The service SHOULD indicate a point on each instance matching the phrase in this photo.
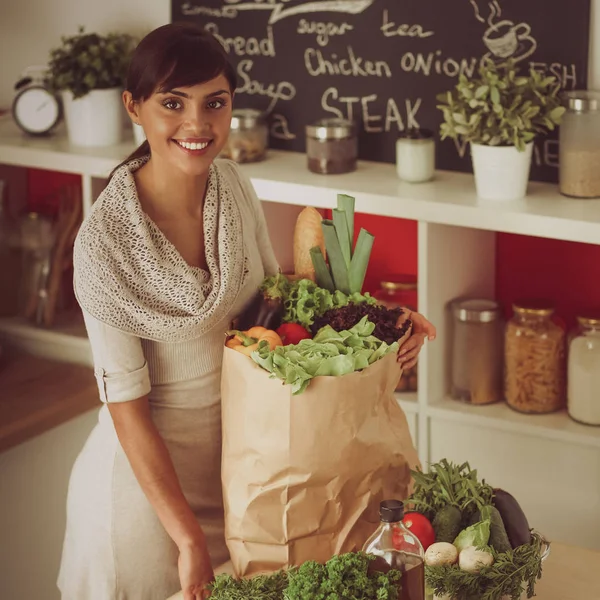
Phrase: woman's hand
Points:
(421, 329)
(195, 571)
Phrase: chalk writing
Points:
(434, 62)
(390, 29)
(279, 11)
(190, 10)
(547, 154)
(283, 90)
(566, 75)
(280, 128)
(323, 31)
(392, 120)
(241, 46)
(352, 65)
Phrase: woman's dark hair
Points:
(172, 56)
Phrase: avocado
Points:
(513, 517)
(446, 524)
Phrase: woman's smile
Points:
(193, 146)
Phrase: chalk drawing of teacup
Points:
(503, 37)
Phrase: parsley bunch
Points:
(346, 576)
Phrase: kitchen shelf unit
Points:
(528, 455)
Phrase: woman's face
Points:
(186, 127)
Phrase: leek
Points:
(347, 267)
(346, 203)
(337, 264)
(360, 260)
(340, 222)
(322, 274)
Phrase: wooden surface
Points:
(37, 394)
(569, 574)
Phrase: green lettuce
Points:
(304, 299)
(330, 352)
(477, 535)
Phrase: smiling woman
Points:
(173, 249)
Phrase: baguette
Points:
(308, 233)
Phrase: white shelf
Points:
(449, 199)
(555, 426)
(66, 340)
(54, 152)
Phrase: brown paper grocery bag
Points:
(303, 475)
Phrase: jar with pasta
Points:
(535, 369)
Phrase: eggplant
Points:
(513, 517)
(266, 308)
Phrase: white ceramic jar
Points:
(415, 155)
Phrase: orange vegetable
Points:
(247, 342)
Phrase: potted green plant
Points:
(499, 113)
(89, 70)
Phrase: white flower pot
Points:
(96, 119)
(501, 172)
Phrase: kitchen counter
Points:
(569, 574)
(37, 394)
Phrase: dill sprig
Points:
(447, 483)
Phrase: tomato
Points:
(420, 526)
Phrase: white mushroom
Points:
(472, 560)
(441, 553)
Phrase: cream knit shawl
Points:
(128, 275)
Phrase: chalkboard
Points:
(382, 62)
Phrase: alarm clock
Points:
(36, 109)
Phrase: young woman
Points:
(173, 249)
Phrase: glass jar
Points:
(415, 155)
(332, 146)
(477, 349)
(401, 291)
(534, 359)
(248, 136)
(583, 389)
(579, 147)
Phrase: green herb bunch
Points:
(303, 299)
(512, 573)
(501, 107)
(448, 483)
(345, 576)
(89, 61)
(261, 587)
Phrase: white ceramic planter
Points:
(501, 172)
(96, 119)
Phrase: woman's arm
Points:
(153, 468)
(124, 384)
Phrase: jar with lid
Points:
(579, 145)
(583, 388)
(248, 136)
(477, 350)
(415, 155)
(331, 146)
(535, 369)
(397, 291)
